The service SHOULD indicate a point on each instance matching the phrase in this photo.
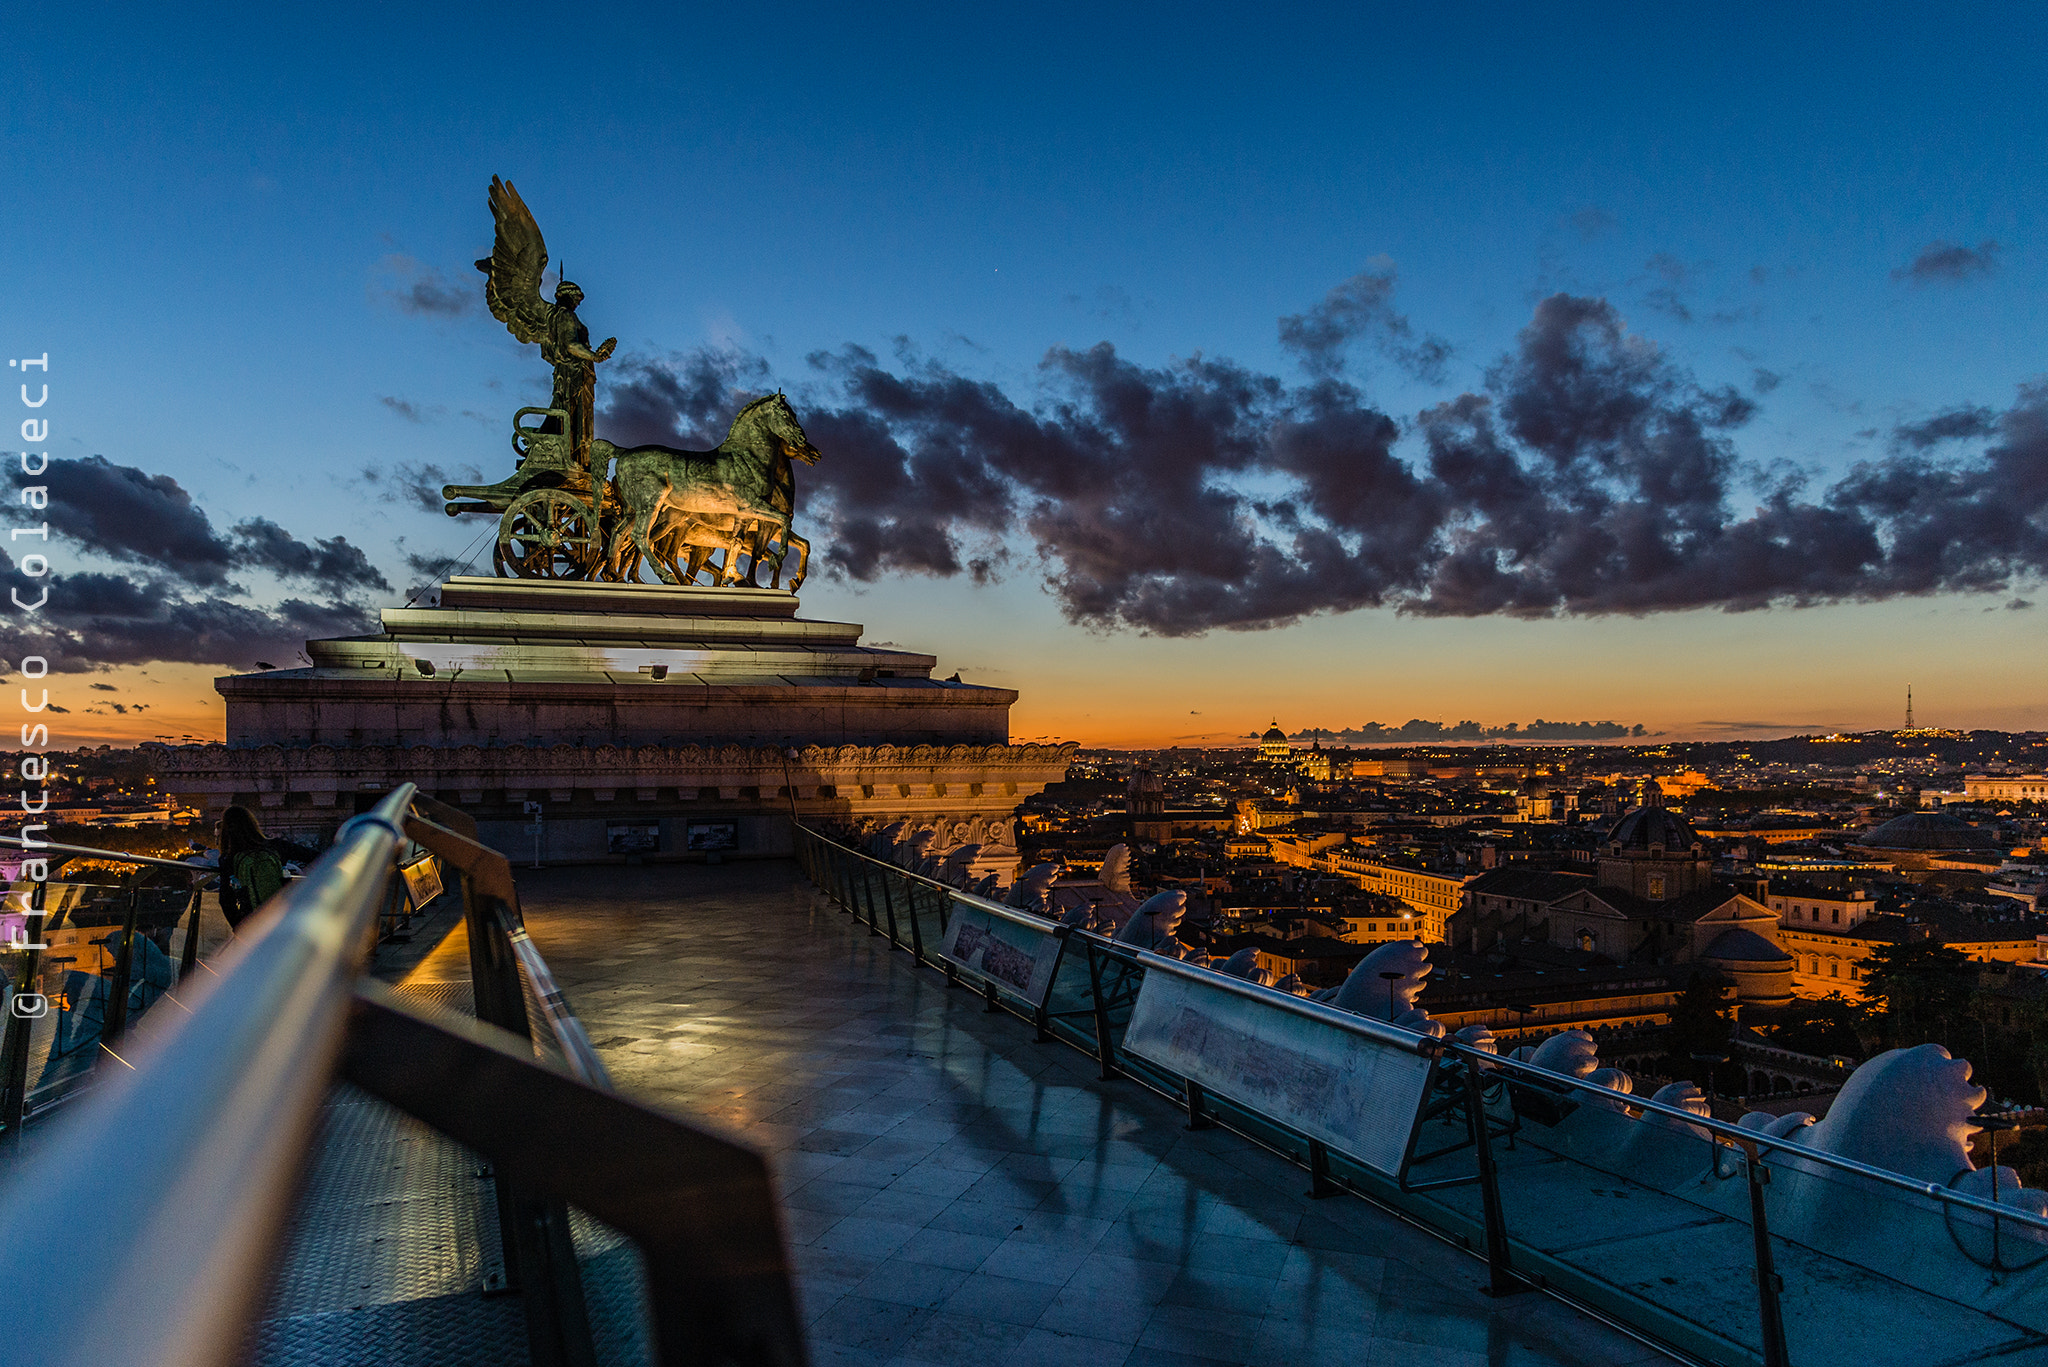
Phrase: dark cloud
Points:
(330, 563)
(94, 620)
(417, 288)
(1362, 308)
(1949, 263)
(429, 566)
(404, 408)
(106, 688)
(177, 604)
(1764, 381)
(1417, 730)
(418, 483)
(135, 518)
(686, 399)
(1955, 424)
(1589, 475)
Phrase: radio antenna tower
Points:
(1909, 707)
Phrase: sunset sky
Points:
(1178, 367)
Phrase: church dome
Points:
(1274, 733)
(1647, 826)
(1927, 831)
(1740, 946)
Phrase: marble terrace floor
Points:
(958, 1194)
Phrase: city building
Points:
(1652, 901)
(1924, 840)
(2006, 787)
(1273, 746)
(1431, 892)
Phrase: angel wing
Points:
(513, 269)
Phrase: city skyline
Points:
(262, 323)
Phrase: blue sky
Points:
(212, 211)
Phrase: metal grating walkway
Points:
(393, 1236)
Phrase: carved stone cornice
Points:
(906, 770)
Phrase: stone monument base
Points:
(638, 722)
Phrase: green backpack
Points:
(261, 874)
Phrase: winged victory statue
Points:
(512, 289)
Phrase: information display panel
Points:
(1019, 957)
(1357, 1095)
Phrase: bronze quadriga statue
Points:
(552, 511)
(579, 507)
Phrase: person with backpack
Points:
(251, 864)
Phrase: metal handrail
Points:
(116, 855)
(1739, 1137)
(562, 1023)
(1014, 915)
(214, 1123)
(1415, 1042)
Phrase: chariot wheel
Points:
(547, 534)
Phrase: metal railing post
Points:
(115, 1018)
(14, 1100)
(188, 959)
(847, 898)
(1320, 1186)
(1769, 1285)
(1105, 1052)
(889, 910)
(1502, 1280)
(916, 931)
(867, 901)
(1192, 1097)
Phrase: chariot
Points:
(561, 516)
(556, 515)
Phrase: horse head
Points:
(772, 415)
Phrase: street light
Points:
(1391, 978)
(1712, 1061)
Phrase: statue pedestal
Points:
(648, 721)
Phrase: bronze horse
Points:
(738, 497)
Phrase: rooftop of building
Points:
(1527, 884)
(958, 1194)
(1682, 910)
(1648, 828)
(1928, 832)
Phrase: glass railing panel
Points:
(1648, 1217)
(1070, 1001)
(928, 908)
(1623, 1211)
(1947, 1274)
(87, 978)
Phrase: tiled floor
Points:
(960, 1195)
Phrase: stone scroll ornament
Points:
(580, 507)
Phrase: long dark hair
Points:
(239, 833)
